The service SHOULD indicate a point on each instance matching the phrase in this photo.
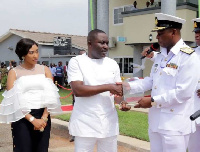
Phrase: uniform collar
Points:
(175, 49)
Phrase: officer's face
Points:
(165, 38)
(197, 37)
(98, 47)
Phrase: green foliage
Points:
(64, 117)
(131, 123)
(64, 93)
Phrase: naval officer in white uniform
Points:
(173, 80)
(194, 145)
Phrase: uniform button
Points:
(160, 105)
(155, 87)
(165, 59)
(172, 110)
(14, 146)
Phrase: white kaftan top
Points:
(94, 116)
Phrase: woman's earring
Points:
(23, 58)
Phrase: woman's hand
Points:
(39, 124)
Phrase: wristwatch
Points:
(152, 102)
(31, 119)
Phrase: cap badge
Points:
(156, 21)
(195, 24)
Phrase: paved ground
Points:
(59, 141)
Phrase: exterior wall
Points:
(137, 26)
(118, 30)
(45, 52)
(188, 27)
(6, 54)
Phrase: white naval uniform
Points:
(194, 145)
(173, 90)
(94, 116)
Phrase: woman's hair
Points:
(23, 47)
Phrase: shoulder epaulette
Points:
(187, 50)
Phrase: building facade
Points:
(130, 31)
(46, 47)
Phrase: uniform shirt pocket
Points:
(170, 71)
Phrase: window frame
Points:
(122, 70)
(118, 18)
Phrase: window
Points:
(125, 64)
(118, 19)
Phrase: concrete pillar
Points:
(168, 7)
(137, 59)
(92, 10)
(103, 15)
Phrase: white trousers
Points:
(194, 141)
(168, 143)
(87, 144)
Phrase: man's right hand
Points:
(116, 89)
(144, 53)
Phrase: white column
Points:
(103, 15)
(168, 7)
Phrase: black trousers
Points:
(26, 139)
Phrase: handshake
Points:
(132, 96)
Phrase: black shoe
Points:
(72, 139)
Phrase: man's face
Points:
(99, 46)
(197, 37)
(165, 38)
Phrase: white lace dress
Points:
(32, 90)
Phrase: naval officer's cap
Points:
(164, 21)
(196, 24)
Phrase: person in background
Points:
(194, 145)
(173, 82)
(81, 52)
(4, 74)
(65, 73)
(59, 74)
(29, 100)
(10, 66)
(53, 70)
(94, 102)
(148, 4)
(43, 63)
(134, 7)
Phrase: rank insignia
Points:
(187, 50)
(172, 65)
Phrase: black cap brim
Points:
(196, 29)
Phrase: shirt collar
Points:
(175, 49)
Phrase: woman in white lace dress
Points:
(28, 101)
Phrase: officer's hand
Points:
(145, 102)
(144, 53)
(124, 106)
